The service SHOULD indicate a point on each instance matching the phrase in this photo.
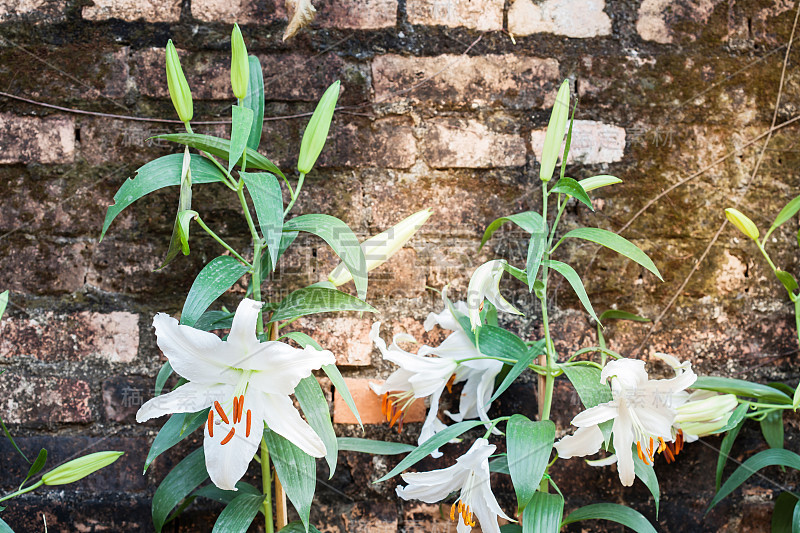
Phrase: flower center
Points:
(462, 508)
(237, 412)
(671, 449)
(393, 407)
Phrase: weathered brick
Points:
(369, 405)
(241, 11)
(457, 143)
(346, 337)
(44, 400)
(482, 15)
(356, 14)
(371, 517)
(400, 277)
(591, 143)
(113, 337)
(38, 10)
(452, 80)
(123, 396)
(384, 143)
(36, 140)
(105, 141)
(42, 267)
(131, 10)
(561, 17)
(208, 75)
(665, 21)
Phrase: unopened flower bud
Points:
(745, 225)
(178, 88)
(79, 468)
(240, 66)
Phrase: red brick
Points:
(113, 337)
(241, 11)
(33, 399)
(124, 395)
(346, 337)
(455, 80)
(36, 140)
(356, 14)
(369, 404)
(560, 17)
(483, 15)
(384, 143)
(42, 267)
(457, 143)
(33, 10)
(131, 10)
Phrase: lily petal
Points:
(280, 367)
(596, 415)
(243, 329)
(623, 441)
(188, 398)
(282, 418)
(585, 441)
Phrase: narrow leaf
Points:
(572, 188)
(614, 513)
(788, 211)
(740, 387)
(238, 514)
(313, 300)
(772, 429)
(3, 302)
(178, 427)
(11, 440)
(265, 190)
(725, 450)
(772, 457)
(613, 314)
(591, 391)
(212, 492)
(254, 100)
(543, 514)
(240, 129)
(518, 368)
(315, 407)
(178, 484)
(296, 470)
(5, 528)
(619, 244)
(575, 282)
(536, 248)
(298, 527)
(785, 518)
(219, 275)
(332, 371)
(530, 221)
(37, 466)
(787, 280)
(647, 474)
(529, 447)
(374, 447)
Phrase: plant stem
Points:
(246, 210)
(266, 487)
(23, 491)
(228, 181)
(764, 253)
(223, 243)
(295, 194)
(255, 278)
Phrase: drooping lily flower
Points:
(643, 411)
(245, 383)
(485, 285)
(469, 476)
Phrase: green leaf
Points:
(178, 484)
(613, 314)
(423, 450)
(725, 449)
(572, 188)
(301, 338)
(498, 342)
(162, 172)
(772, 457)
(511, 528)
(530, 221)
(786, 514)
(5, 528)
(298, 527)
(543, 514)
(568, 142)
(332, 371)
(740, 387)
(267, 198)
(374, 447)
(555, 133)
(788, 211)
(219, 275)
(619, 244)
(11, 440)
(518, 368)
(317, 130)
(179, 241)
(239, 514)
(772, 429)
(591, 391)
(499, 465)
(3, 302)
(37, 466)
(529, 447)
(240, 129)
(341, 239)
(647, 474)
(178, 427)
(162, 377)
(287, 238)
(313, 300)
(296, 470)
(315, 407)
(215, 320)
(220, 148)
(575, 281)
(254, 100)
(212, 492)
(787, 280)
(536, 249)
(614, 513)
(736, 416)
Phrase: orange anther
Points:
(453, 512)
(235, 408)
(450, 383)
(249, 421)
(661, 445)
(221, 413)
(228, 437)
(241, 407)
(396, 414)
(211, 423)
(641, 454)
(668, 455)
(384, 403)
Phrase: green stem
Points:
(266, 486)
(797, 319)
(295, 194)
(219, 240)
(764, 253)
(256, 280)
(23, 491)
(548, 356)
(602, 349)
(229, 181)
(246, 210)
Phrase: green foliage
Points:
(313, 300)
(312, 400)
(213, 281)
(296, 470)
(242, 122)
(316, 132)
(572, 188)
(743, 388)
(772, 457)
(786, 514)
(772, 429)
(647, 474)
(178, 427)
(529, 446)
(178, 484)
(220, 148)
(614, 513)
(543, 514)
(375, 447)
(265, 190)
(575, 282)
(621, 245)
(238, 514)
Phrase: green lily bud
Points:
(706, 409)
(79, 468)
(595, 182)
(178, 88)
(240, 65)
(745, 225)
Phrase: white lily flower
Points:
(485, 285)
(643, 411)
(469, 476)
(245, 382)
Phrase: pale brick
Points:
(241, 11)
(346, 337)
(113, 337)
(456, 143)
(50, 10)
(356, 14)
(36, 140)
(560, 17)
(482, 15)
(651, 24)
(33, 399)
(130, 10)
(662, 21)
(456, 80)
(591, 143)
(42, 267)
(369, 405)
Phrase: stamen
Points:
(450, 383)
(641, 454)
(661, 445)
(679, 442)
(228, 438)
(211, 424)
(384, 403)
(453, 512)
(249, 420)
(221, 413)
(396, 415)
(668, 454)
(235, 408)
(241, 407)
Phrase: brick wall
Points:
(447, 107)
